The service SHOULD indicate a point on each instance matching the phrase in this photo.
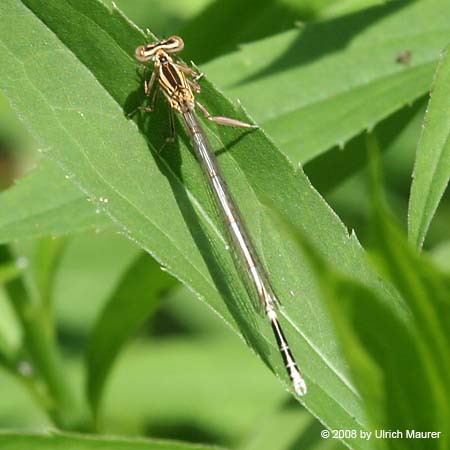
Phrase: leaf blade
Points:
(45, 203)
(320, 90)
(432, 166)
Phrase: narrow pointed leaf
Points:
(432, 168)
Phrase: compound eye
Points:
(175, 43)
(141, 53)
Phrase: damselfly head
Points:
(147, 52)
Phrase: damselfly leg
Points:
(227, 121)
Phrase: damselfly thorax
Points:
(173, 83)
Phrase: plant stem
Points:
(41, 353)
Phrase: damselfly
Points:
(178, 82)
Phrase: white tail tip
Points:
(299, 384)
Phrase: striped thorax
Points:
(171, 79)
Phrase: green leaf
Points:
(341, 7)
(14, 139)
(388, 366)
(162, 204)
(46, 203)
(317, 87)
(398, 362)
(432, 168)
(252, 20)
(397, 134)
(135, 299)
(426, 291)
(53, 441)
